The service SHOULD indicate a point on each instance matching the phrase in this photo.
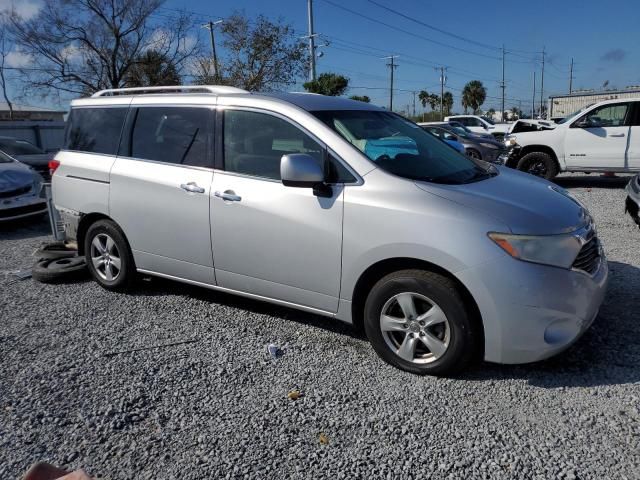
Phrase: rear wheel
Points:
(417, 321)
(109, 257)
(539, 164)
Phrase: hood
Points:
(38, 159)
(527, 205)
(15, 175)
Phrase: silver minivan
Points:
(334, 207)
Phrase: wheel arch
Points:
(542, 149)
(378, 270)
(86, 221)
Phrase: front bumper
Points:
(531, 312)
(497, 156)
(22, 206)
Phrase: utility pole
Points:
(542, 83)
(210, 25)
(571, 77)
(312, 48)
(502, 85)
(392, 65)
(533, 100)
(443, 80)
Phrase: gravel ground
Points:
(101, 381)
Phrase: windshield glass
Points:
(4, 158)
(401, 147)
(19, 147)
(488, 120)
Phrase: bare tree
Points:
(3, 57)
(261, 54)
(81, 46)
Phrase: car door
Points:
(270, 240)
(160, 186)
(598, 139)
(633, 151)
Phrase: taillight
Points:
(53, 165)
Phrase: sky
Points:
(464, 36)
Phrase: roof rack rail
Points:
(217, 89)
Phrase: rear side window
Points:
(95, 130)
(178, 135)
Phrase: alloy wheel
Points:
(415, 328)
(105, 257)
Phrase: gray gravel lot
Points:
(80, 385)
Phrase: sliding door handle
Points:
(192, 187)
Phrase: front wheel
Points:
(417, 321)
(109, 257)
(539, 164)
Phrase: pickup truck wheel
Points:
(539, 164)
(417, 321)
(109, 257)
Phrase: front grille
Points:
(14, 212)
(589, 257)
(15, 192)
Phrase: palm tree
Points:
(473, 95)
(447, 100)
(516, 113)
(491, 112)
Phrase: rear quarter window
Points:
(95, 130)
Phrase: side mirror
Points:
(300, 170)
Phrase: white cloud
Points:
(18, 59)
(71, 53)
(27, 9)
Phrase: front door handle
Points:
(228, 196)
(617, 135)
(192, 187)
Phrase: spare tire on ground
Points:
(59, 270)
(54, 250)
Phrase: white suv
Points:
(604, 137)
(479, 124)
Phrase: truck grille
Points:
(588, 259)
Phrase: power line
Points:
(413, 34)
(419, 22)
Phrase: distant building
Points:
(27, 112)
(562, 105)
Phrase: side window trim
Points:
(219, 165)
(126, 137)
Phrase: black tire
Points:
(126, 273)
(473, 153)
(59, 270)
(54, 250)
(462, 336)
(539, 164)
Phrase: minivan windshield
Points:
(401, 147)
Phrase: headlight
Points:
(554, 250)
(489, 145)
(510, 141)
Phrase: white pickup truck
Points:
(604, 137)
(479, 124)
